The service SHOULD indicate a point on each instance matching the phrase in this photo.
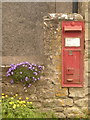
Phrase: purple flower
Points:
(29, 85)
(39, 71)
(38, 79)
(12, 65)
(12, 73)
(35, 73)
(13, 68)
(18, 65)
(20, 72)
(34, 65)
(8, 75)
(35, 80)
(21, 80)
(26, 78)
(33, 68)
(26, 63)
(40, 67)
(9, 70)
(30, 68)
(23, 65)
(12, 81)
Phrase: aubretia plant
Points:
(24, 72)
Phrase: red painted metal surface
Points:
(73, 28)
(72, 53)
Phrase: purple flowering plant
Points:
(25, 73)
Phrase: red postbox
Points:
(72, 53)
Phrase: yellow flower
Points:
(24, 101)
(3, 97)
(12, 98)
(20, 98)
(14, 106)
(24, 105)
(16, 94)
(27, 98)
(21, 102)
(18, 101)
(0, 100)
(30, 102)
(11, 103)
(6, 95)
(18, 105)
(27, 102)
(3, 94)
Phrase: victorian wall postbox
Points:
(72, 53)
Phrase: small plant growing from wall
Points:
(25, 73)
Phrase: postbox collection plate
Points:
(72, 54)
(72, 42)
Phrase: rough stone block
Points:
(73, 112)
(60, 115)
(82, 102)
(58, 109)
(86, 80)
(85, 110)
(37, 104)
(67, 102)
(60, 102)
(63, 92)
(86, 67)
(78, 92)
(77, 116)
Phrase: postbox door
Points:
(72, 53)
(72, 66)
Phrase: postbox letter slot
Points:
(72, 28)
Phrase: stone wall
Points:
(74, 101)
(84, 9)
(22, 30)
(47, 93)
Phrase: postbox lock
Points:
(70, 52)
(70, 71)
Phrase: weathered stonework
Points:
(78, 92)
(48, 94)
(70, 99)
(82, 102)
(62, 92)
(74, 112)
